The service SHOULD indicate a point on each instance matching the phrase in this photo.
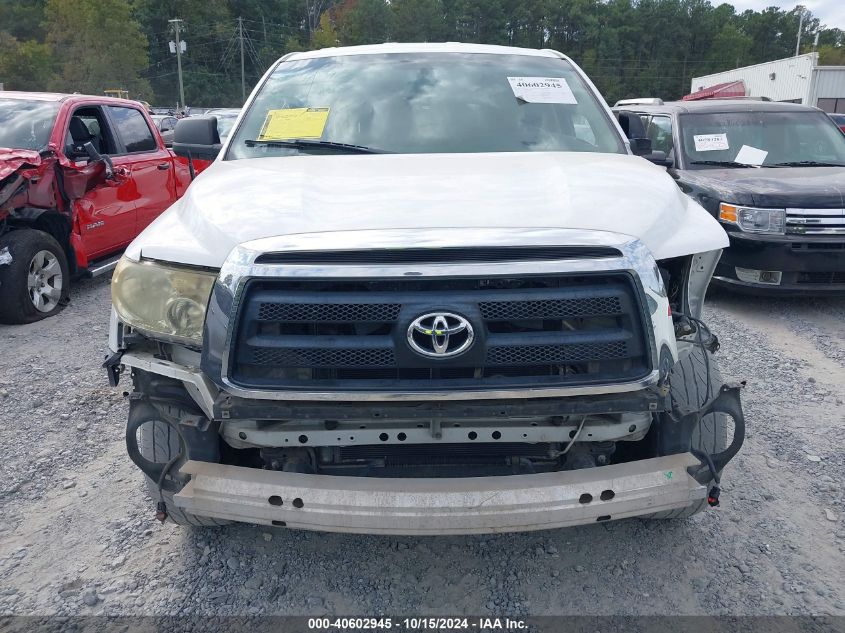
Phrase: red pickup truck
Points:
(80, 177)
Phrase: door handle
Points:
(163, 166)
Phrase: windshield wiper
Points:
(309, 144)
(806, 163)
(721, 163)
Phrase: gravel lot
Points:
(78, 535)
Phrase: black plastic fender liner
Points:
(153, 470)
(678, 426)
(198, 439)
(728, 402)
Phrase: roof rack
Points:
(641, 101)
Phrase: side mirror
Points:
(94, 156)
(641, 146)
(658, 158)
(197, 137)
(74, 152)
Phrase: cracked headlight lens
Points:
(162, 299)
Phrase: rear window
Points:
(26, 124)
(133, 130)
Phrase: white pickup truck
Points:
(423, 289)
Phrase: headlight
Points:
(161, 298)
(754, 220)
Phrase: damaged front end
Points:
(274, 429)
(27, 181)
(42, 189)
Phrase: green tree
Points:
(830, 55)
(419, 21)
(99, 45)
(23, 19)
(365, 22)
(207, 28)
(24, 65)
(731, 49)
(325, 36)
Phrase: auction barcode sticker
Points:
(710, 142)
(542, 89)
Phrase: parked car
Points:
(839, 119)
(772, 173)
(423, 289)
(226, 118)
(165, 124)
(80, 177)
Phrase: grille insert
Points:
(555, 354)
(822, 278)
(507, 310)
(531, 331)
(323, 357)
(328, 313)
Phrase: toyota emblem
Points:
(440, 335)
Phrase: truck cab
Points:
(80, 178)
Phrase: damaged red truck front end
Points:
(80, 177)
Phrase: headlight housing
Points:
(754, 220)
(162, 300)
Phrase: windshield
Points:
(424, 103)
(760, 138)
(225, 123)
(26, 124)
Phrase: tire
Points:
(34, 285)
(159, 443)
(689, 387)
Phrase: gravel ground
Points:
(78, 534)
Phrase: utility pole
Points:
(176, 22)
(800, 25)
(243, 78)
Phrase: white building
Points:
(796, 79)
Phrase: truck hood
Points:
(777, 187)
(12, 159)
(234, 202)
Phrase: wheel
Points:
(159, 443)
(34, 284)
(689, 386)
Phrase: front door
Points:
(151, 165)
(105, 214)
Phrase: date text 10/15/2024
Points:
(417, 624)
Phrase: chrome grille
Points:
(815, 221)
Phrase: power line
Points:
(241, 38)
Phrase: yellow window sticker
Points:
(291, 123)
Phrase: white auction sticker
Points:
(710, 142)
(542, 89)
(748, 155)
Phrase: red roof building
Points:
(725, 90)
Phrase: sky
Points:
(830, 12)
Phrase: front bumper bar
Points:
(474, 505)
